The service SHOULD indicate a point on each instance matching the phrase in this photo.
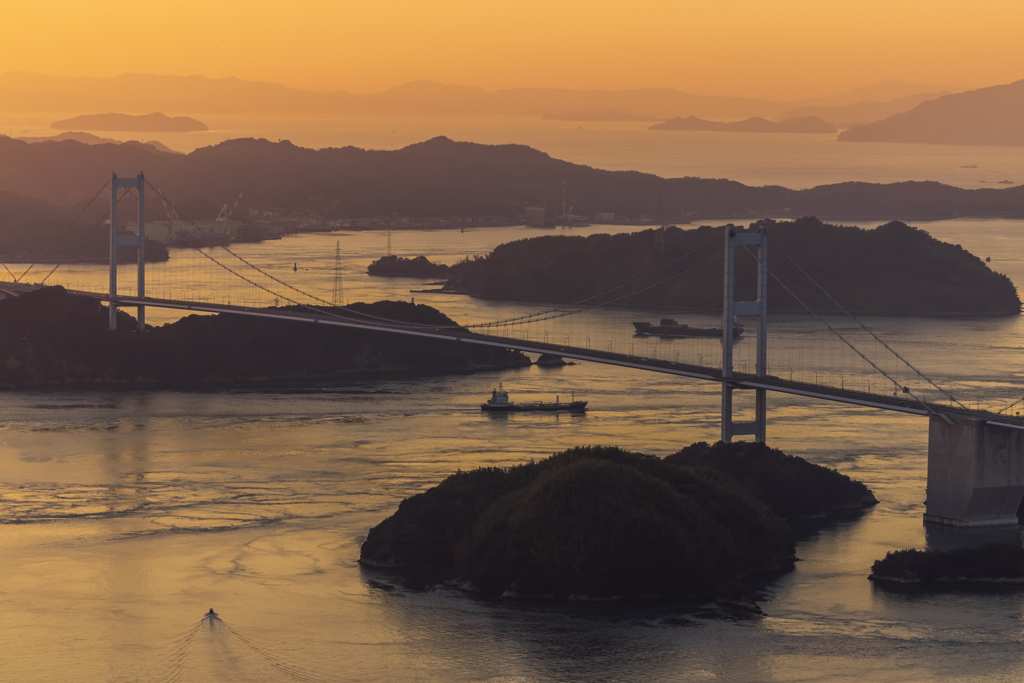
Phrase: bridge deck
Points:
(461, 335)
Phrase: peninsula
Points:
(894, 269)
(147, 123)
(800, 124)
(51, 337)
(988, 116)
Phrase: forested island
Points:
(50, 337)
(894, 269)
(397, 266)
(994, 563)
(756, 124)
(602, 522)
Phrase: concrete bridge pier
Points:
(975, 473)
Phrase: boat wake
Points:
(213, 650)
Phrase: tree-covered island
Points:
(602, 522)
(398, 266)
(893, 269)
(994, 563)
(50, 337)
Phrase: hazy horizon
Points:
(880, 90)
(789, 50)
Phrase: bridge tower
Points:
(757, 243)
(117, 240)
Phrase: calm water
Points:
(126, 515)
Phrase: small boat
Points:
(500, 403)
(670, 328)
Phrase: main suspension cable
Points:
(863, 326)
(63, 232)
(834, 331)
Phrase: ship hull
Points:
(574, 407)
(647, 329)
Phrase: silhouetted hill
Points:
(440, 177)
(891, 270)
(148, 123)
(989, 116)
(804, 124)
(90, 139)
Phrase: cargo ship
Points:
(500, 403)
(670, 328)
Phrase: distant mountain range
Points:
(141, 93)
(801, 124)
(865, 111)
(441, 177)
(989, 116)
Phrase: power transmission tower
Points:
(389, 241)
(339, 292)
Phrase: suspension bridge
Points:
(975, 456)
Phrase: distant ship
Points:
(670, 328)
(499, 403)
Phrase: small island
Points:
(398, 266)
(51, 337)
(994, 563)
(597, 523)
(755, 124)
(144, 123)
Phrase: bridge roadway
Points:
(463, 336)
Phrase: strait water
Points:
(125, 515)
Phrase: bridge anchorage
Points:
(975, 457)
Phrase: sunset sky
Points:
(784, 49)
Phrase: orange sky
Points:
(783, 49)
